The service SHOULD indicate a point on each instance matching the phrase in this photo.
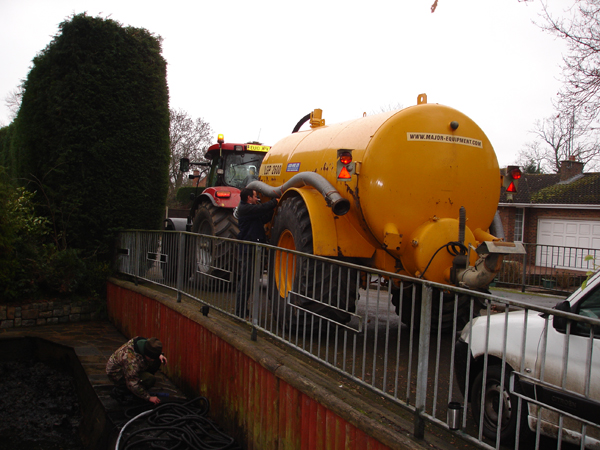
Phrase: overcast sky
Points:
(252, 69)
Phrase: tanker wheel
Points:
(316, 286)
(462, 315)
(214, 259)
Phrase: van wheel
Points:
(491, 405)
(312, 286)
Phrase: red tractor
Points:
(229, 169)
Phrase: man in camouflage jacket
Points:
(132, 367)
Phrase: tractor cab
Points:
(234, 168)
(233, 165)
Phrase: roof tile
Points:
(547, 189)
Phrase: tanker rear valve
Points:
(459, 264)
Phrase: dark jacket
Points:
(252, 220)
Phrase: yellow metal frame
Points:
(325, 239)
(332, 235)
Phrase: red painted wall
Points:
(248, 400)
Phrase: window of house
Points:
(519, 216)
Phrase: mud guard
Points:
(321, 219)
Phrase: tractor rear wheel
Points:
(311, 286)
(213, 259)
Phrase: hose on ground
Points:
(175, 425)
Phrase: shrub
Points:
(30, 266)
(564, 280)
(22, 237)
(184, 194)
(511, 272)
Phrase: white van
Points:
(535, 369)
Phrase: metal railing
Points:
(549, 267)
(391, 334)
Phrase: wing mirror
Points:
(560, 323)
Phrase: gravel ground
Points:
(39, 408)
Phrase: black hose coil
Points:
(175, 425)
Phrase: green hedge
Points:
(7, 155)
(184, 194)
(92, 134)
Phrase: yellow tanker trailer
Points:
(406, 191)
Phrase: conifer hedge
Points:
(92, 134)
(6, 156)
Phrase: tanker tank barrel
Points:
(403, 181)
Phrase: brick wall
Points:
(48, 312)
(533, 215)
(507, 217)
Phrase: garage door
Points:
(565, 243)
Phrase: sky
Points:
(253, 69)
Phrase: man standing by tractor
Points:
(252, 217)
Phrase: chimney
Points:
(570, 168)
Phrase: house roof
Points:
(581, 189)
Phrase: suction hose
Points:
(338, 204)
(301, 122)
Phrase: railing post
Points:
(138, 257)
(423, 360)
(256, 275)
(180, 264)
(525, 261)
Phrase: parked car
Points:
(549, 359)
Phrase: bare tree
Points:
(580, 29)
(13, 101)
(532, 156)
(435, 4)
(189, 139)
(558, 138)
